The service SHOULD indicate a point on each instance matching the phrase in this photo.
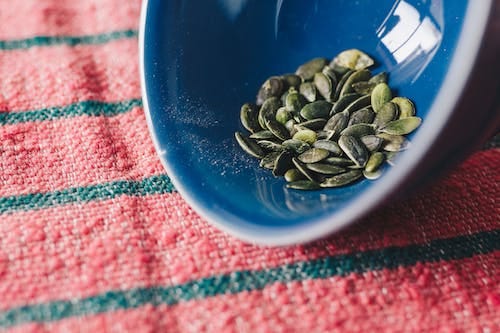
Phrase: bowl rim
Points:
(466, 52)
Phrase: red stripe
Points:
(437, 297)
(60, 75)
(28, 18)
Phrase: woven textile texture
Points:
(94, 237)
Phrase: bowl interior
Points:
(203, 59)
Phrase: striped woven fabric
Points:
(93, 236)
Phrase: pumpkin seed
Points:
(272, 87)
(314, 110)
(292, 80)
(278, 129)
(306, 185)
(390, 157)
(342, 179)
(296, 146)
(406, 107)
(268, 111)
(375, 160)
(293, 174)
(313, 124)
(359, 130)
(361, 75)
(381, 94)
(323, 85)
(328, 71)
(344, 102)
(308, 90)
(249, 145)
(372, 175)
(325, 169)
(303, 169)
(248, 116)
(358, 104)
(372, 142)
(394, 143)
(263, 135)
(270, 145)
(269, 160)
(338, 161)
(363, 87)
(363, 116)
(379, 78)
(353, 59)
(295, 102)
(402, 126)
(337, 123)
(341, 84)
(325, 135)
(387, 113)
(354, 149)
(307, 70)
(306, 135)
(338, 70)
(282, 164)
(313, 155)
(283, 115)
(328, 145)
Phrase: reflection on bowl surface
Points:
(203, 59)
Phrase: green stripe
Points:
(152, 185)
(27, 43)
(87, 108)
(239, 281)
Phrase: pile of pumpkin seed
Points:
(328, 125)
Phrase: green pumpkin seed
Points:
(296, 146)
(359, 130)
(306, 185)
(278, 129)
(313, 124)
(342, 179)
(282, 164)
(306, 135)
(272, 87)
(293, 175)
(307, 70)
(291, 80)
(249, 146)
(268, 111)
(338, 161)
(270, 145)
(295, 102)
(328, 145)
(372, 142)
(303, 169)
(313, 155)
(341, 84)
(328, 71)
(363, 116)
(344, 102)
(308, 90)
(381, 94)
(394, 143)
(361, 75)
(323, 85)
(263, 135)
(354, 149)
(248, 116)
(337, 123)
(363, 87)
(314, 110)
(325, 135)
(372, 175)
(406, 107)
(338, 70)
(353, 59)
(387, 113)
(402, 126)
(376, 159)
(325, 169)
(379, 78)
(269, 160)
(283, 115)
(358, 104)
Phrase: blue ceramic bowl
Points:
(201, 60)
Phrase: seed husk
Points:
(313, 155)
(308, 90)
(292, 175)
(313, 124)
(303, 169)
(402, 126)
(393, 143)
(338, 70)
(325, 135)
(361, 75)
(337, 123)
(283, 115)
(381, 94)
(292, 80)
(363, 87)
(296, 146)
(272, 87)
(344, 102)
(282, 164)
(374, 162)
(406, 107)
(268, 111)
(294, 102)
(328, 71)
(338, 161)
(342, 179)
(329, 145)
(249, 113)
(249, 145)
(387, 113)
(325, 169)
(363, 116)
(323, 85)
(306, 185)
(307, 70)
(372, 142)
(269, 160)
(359, 130)
(270, 145)
(306, 135)
(263, 135)
(341, 84)
(354, 149)
(359, 103)
(353, 59)
(314, 110)
(278, 129)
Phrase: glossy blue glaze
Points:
(203, 59)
